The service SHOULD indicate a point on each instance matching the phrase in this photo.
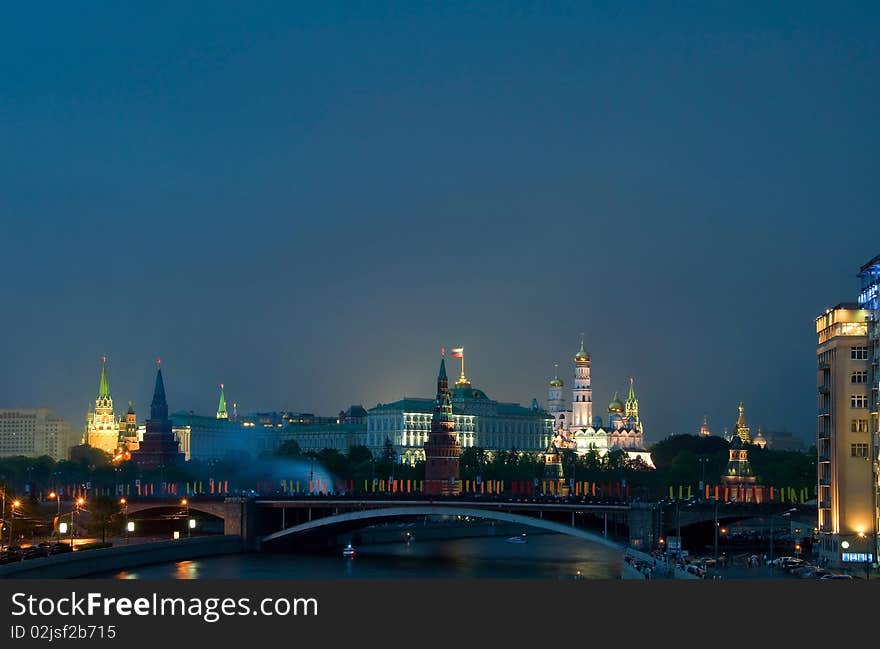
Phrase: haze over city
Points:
(307, 204)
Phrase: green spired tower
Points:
(221, 407)
(102, 430)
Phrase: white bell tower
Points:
(582, 393)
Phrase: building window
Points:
(859, 450)
(858, 401)
(860, 376)
(859, 426)
(858, 353)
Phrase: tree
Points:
(360, 463)
(387, 459)
(89, 456)
(105, 511)
(289, 448)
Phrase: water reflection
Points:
(547, 556)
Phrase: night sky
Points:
(307, 203)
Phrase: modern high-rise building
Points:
(34, 432)
(844, 443)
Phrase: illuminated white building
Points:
(578, 429)
(479, 422)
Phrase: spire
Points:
(632, 404)
(442, 380)
(159, 406)
(582, 356)
(742, 428)
(221, 408)
(104, 387)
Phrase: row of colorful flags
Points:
(743, 493)
(212, 486)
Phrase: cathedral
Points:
(577, 429)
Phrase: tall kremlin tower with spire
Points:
(102, 430)
(159, 446)
(443, 450)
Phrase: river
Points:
(544, 556)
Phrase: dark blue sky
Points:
(306, 203)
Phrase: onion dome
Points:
(615, 405)
(581, 356)
(556, 382)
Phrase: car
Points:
(830, 576)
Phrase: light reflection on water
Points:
(545, 556)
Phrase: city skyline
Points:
(305, 204)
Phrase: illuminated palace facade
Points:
(577, 429)
(478, 421)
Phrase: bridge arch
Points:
(441, 510)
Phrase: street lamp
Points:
(703, 461)
(57, 497)
(190, 525)
(79, 503)
(124, 504)
(15, 505)
(129, 528)
(786, 513)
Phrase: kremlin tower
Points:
(159, 447)
(102, 431)
(442, 450)
(221, 407)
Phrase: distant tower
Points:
(739, 469)
(159, 446)
(102, 431)
(555, 400)
(704, 429)
(631, 408)
(128, 429)
(442, 450)
(221, 407)
(582, 393)
(742, 428)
